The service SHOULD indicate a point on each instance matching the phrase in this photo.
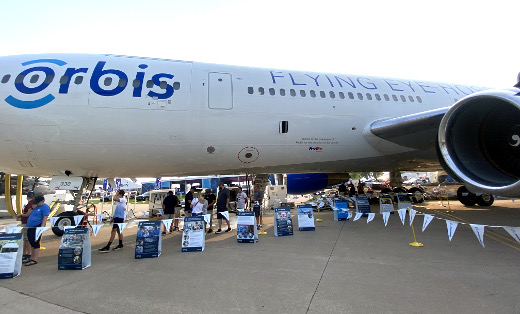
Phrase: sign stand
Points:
(362, 205)
(305, 218)
(74, 250)
(148, 241)
(194, 234)
(342, 212)
(403, 201)
(11, 250)
(246, 227)
(282, 221)
(386, 204)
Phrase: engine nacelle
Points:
(479, 140)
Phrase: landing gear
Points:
(466, 197)
(485, 199)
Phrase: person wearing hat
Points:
(23, 218)
(37, 218)
(222, 206)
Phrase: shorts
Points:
(196, 214)
(31, 234)
(117, 221)
(220, 216)
(258, 210)
(177, 212)
(168, 216)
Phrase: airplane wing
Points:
(418, 131)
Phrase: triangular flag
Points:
(358, 215)
(514, 232)
(95, 229)
(39, 231)
(161, 212)
(402, 214)
(426, 222)
(77, 219)
(225, 214)
(371, 217)
(121, 226)
(335, 208)
(167, 223)
(320, 205)
(100, 217)
(144, 213)
(479, 232)
(53, 220)
(386, 215)
(349, 214)
(452, 226)
(412, 215)
(14, 229)
(207, 218)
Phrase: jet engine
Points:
(479, 141)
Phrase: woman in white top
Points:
(198, 205)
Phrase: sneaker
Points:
(175, 229)
(104, 249)
(210, 230)
(259, 227)
(228, 230)
(218, 231)
(164, 233)
(117, 248)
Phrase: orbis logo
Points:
(40, 85)
(317, 148)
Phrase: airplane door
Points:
(220, 91)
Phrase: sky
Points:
(464, 42)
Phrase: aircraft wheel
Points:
(400, 190)
(417, 195)
(466, 197)
(57, 229)
(386, 190)
(485, 200)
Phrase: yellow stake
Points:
(19, 182)
(8, 200)
(319, 219)
(262, 230)
(415, 243)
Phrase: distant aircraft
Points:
(118, 116)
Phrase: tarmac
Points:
(341, 267)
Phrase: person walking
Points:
(222, 206)
(119, 217)
(241, 200)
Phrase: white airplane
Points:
(119, 116)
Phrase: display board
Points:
(11, 250)
(282, 221)
(74, 250)
(194, 235)
(362, 205)
(341, 211)
(403, 201)
(386, 203)
(148, 241)
(246, 227)
(305, 218)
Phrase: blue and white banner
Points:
(39, 231)
(193, 236)
(95, 229)
(452, 226)
(225, 214)
(11, 230)
(11, 255)
(121, 226)
(514, 232)
(74, 250)
(53, 220)
(358, 215)
(412, 215)
(371, 217)
(207, 218)
(282, 221)
(402, 214)
(100, 217)
(148, 241)
(386, 215)
(167, 223)
(77, 219)
(247, 231)
(305, 218)
(426, 222)
(479, 232)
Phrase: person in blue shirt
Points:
(37, 218)
(119, 217)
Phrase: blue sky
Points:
(465, 42)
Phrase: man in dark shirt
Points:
(168, 206)
(211, 198)
(342, 189)
(222, 206)
(187, 202)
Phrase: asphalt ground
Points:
(341, 267)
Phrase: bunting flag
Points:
(77, 219)
(358, 215)
(144, 213)
(426, 222)
(121, 226)
(161, 212)
(412, 215)
(167, 223)
(53, 220)
(95, 229)
(14, 229)
(100, 217)
(39, 231)
(479, 232)
(207, 218)
(321, 204)
(371, 217)
(349, 214)
(225, 214)
(402, 214)
(452, 226)
(386, 215)
(514, 232)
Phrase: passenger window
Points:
(341, 95)
(6, 78)
(122, 83)
(108, 81)
(403, 99)
(350, 95)
(386, 97)
(260, 90)
(369, 96)
(137, 82)
(271, 91)
(394, 97)
(410, 98)
(360, 96)
(34, 78)
(176, 85)
(332, 95)
(419, 99)
(163, 84)
(302, 93)
(322, 94)
(250, 90)
(313, 93)
(282, 92)
(64, 79)
(149, 84)
(293, 92)
(378, 97)
(78, 80)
